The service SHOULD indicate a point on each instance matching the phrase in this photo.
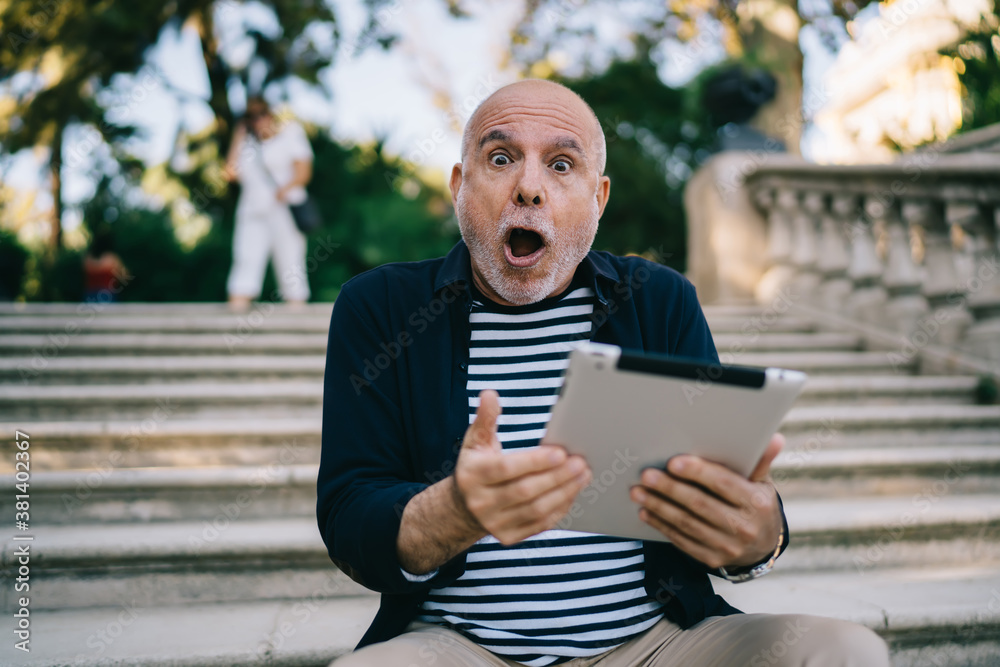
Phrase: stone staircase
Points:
(172, 491)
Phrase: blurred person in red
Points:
(103, 270)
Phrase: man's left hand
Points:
(712, 513)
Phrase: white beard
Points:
(564, 249)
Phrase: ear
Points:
(455, 182)
(603, 193)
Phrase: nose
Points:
(529, 189)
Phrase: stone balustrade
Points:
(909, 248)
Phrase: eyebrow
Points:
(494, 135)
(561, 142)
(570, 142)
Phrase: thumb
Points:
(482, 434)
(764, 465)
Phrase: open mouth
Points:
(523, 247)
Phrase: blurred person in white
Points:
(272, 160)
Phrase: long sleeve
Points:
(366, 476)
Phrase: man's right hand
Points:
(513, 495)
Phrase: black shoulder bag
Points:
(306, 215)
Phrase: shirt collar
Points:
(457, 268)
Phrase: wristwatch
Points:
(758, 570)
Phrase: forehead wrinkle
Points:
(557, 103)
(561, 142)
(557, 113)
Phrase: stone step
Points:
(163, 440)
(103, 310)
(948, 618)
(232, 556)
(164, 563)
(116, 495)
(160, 440)
(28, 370)
(83, 312)
(893, 471)
(267, 320)
(786, 342)
(262, 321)
(210, 400)
(72, 497)
(889, 389)
(745, 310)
(189, 344)
(820, 362)
(53, 367)
(929, 616)
(723, 323)
(264, 342)
(812, 428)
(306, 632)
(287, 398)
(220, 323)
(864, 534)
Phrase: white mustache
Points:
(529, 220)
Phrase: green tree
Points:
(654, 142)
(71, 50)
(979, 73)
(758, 33)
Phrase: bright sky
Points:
(374, 94)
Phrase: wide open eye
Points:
(562, 166)
(499, 160)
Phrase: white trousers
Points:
(260, 234)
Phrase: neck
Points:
(490, 293)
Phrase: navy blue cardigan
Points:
(395, 411)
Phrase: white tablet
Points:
(625, 411)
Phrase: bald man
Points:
(433, 488)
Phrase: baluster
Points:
(804, 243)
(982, 338)
(779, 243)
(867, 299)
(834, 257)
(942, 288)
(902, 278)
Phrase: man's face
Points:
(528, 194)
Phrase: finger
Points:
(482, 432)
(544, 511)
(527, 488)
(684, 542)
(763, 468)
(716, 478)
(709, 530)
(496, 467)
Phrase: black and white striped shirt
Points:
(560, 594)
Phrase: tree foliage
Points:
(979, 73)
(654, 143)
(71, 50)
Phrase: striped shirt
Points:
(560, 594)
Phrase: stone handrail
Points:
(909, 248)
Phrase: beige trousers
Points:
(750, 640)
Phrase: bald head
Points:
(538, 91)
